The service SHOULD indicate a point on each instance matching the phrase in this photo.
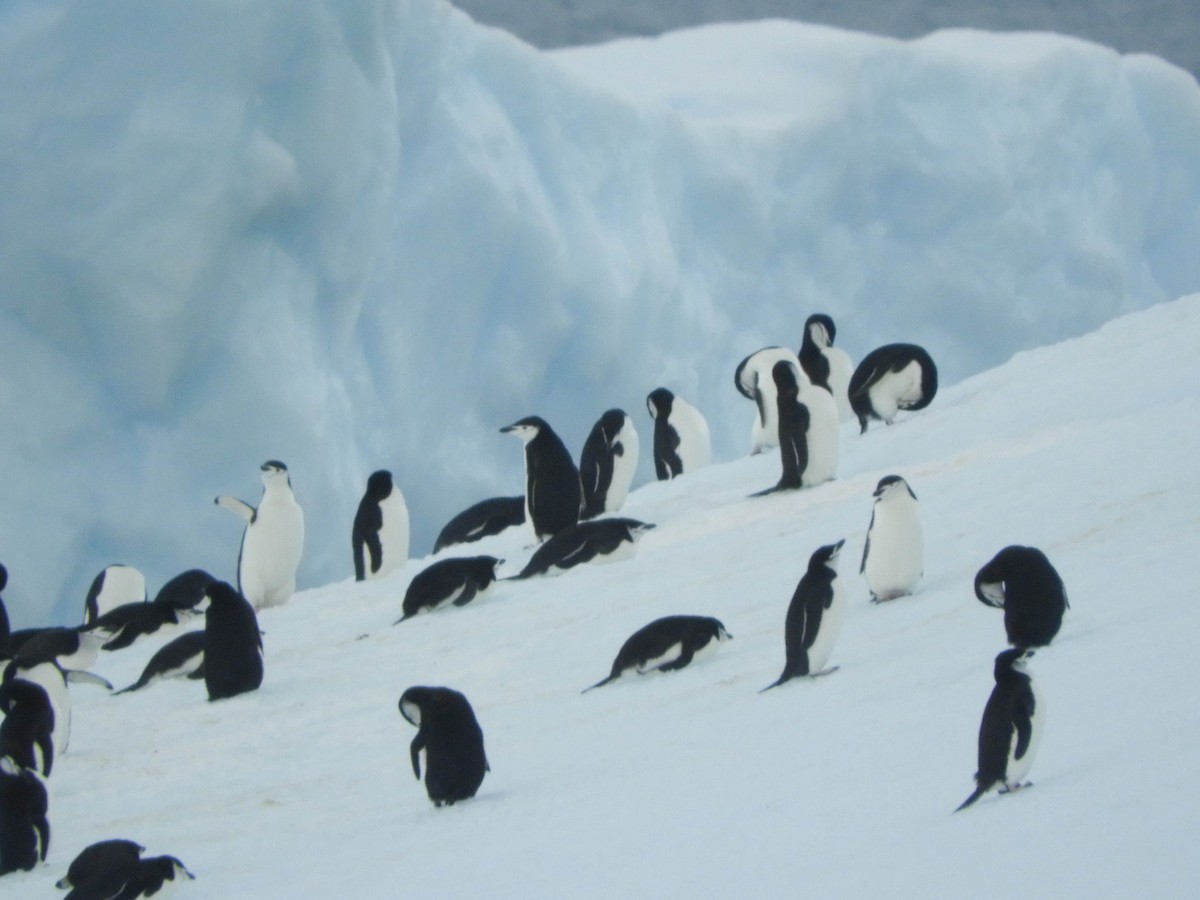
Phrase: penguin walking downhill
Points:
(182, 657)
(600, 540)
(825, 365)
(233, 648)
(553, 491)
(891, 378)
(814, 618)
(893, 556)
(114, 586)
(608, 463)
(101, 867)
(753, 380)
(1022, 582)
(457, 580)
(483, 519)
(380, 534)
(1011, 728)
(666, 645)
(448, 732)
(24, 822)
(682, 443)
(273, 540)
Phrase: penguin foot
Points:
(823, 672)
(1013, 788)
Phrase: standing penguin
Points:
(607, 464)
(449, 734)
(814, 617)
(681, 440)
(457, 580)
(273, 539)
(380, 535)
(27, 729)
(1022, 582)
(666, 645)
(893, 556)
(553, 492)
(233, 649)
(114, 586)
(1011, 727)
(24, 826)
(753, 380)
(808, 430)
(891, 378)
(825, 365)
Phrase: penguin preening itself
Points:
(682, 442)
(485, 518)
(1011, 727)
(608, 463)
(814, 618)
(1022, 582)
(448, 732)
(24, 825)
(233, 649)
(101, 867)
(27, 729)
(598, 540)
(665, 645)
(891, 378)
(807, 424)
(753, 379)
(176, 600)
(825, 365)
(553, 492)
(114, 586)
(182, 657)
(380, 534)
(457, 580)
(273, 540)
(893, 555)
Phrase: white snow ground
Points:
(690, 784)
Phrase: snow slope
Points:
(367, 235)
(691, 784)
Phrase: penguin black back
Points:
(27, 729)
(793, 422)
(102, 866)
(665, 645)
(24, 826)
(1022, 581)
(553, 491)
(597, 463)
(879, 369)
(368, 522)
(812, 360)
(813, 600)
(5, 627)
(667, 462)
(233, 650)
(448, 732)
(185, 591)
(457, 580)
(485, 518)
(183, 655)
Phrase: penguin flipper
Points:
(414, 751)
(239, 508)
(79, 676)
(1023, 723)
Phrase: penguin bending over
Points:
(553, 492)
(891, 378)
(1022, 582)
(24, 826)
(825, 365)
(753, 380)
(1011, 727)
(457, 580)
(101, 867)
(114, 586)
(485, 518)
(448, 732)
(608, 463)
(380, 534)
(599, 540)
(893, 556)
(682, 442)
(814, 618)
(182, 657)
(666, 645)
(233, 648)
(273, 540)
(27, 729)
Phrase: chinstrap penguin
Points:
(1022, 582)
(891, 378)
(553, 492)
(5, 627)
(448, 732)
(608, 463)
(101, 867)
(825, 365)
(665, 645)
(754, 381)
(457, 580)
(273, 540)
(27, 729)
(893, 555)
(233, 648)
(682, 442)
(814, 618)
(114, 586)
(380, 533)
(485, 518)
(598, 540)
(24, 825)
(182, 657)
(158, 877)
(1011, 727)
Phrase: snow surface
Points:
(361, 236)
(690, 784)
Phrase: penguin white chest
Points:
(841, 369)
(896, 391)
(271, 549)
(624, 467)
(393, 536)
(695, 444)
(829, 629)
(1017, 769)
(895, 557)
(822, 436)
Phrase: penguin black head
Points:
(1012, 660)
(527, 428)
(659, 402)
(819, 328)
(825, 556)
(186, 591)
(219, 592)
(783, 373)
(379, 485)
(889, 484)
(612, 421)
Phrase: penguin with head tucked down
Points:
(457, 580)
(825, 365)
(814, 618)
(891, 378)
(24, 826)
(114, 586)
(893, 556)
(553, 492)
(1022, 582)
(485, 518)
(233, 648)
(681, 439)
(27, 729)
(608, 463)
(448, 732)
(754, 381)
(380, 534)
(102, 866)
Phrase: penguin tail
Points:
(136, 686)
(403, 618)
(776, 683)
(979, 791)
(600, 683)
